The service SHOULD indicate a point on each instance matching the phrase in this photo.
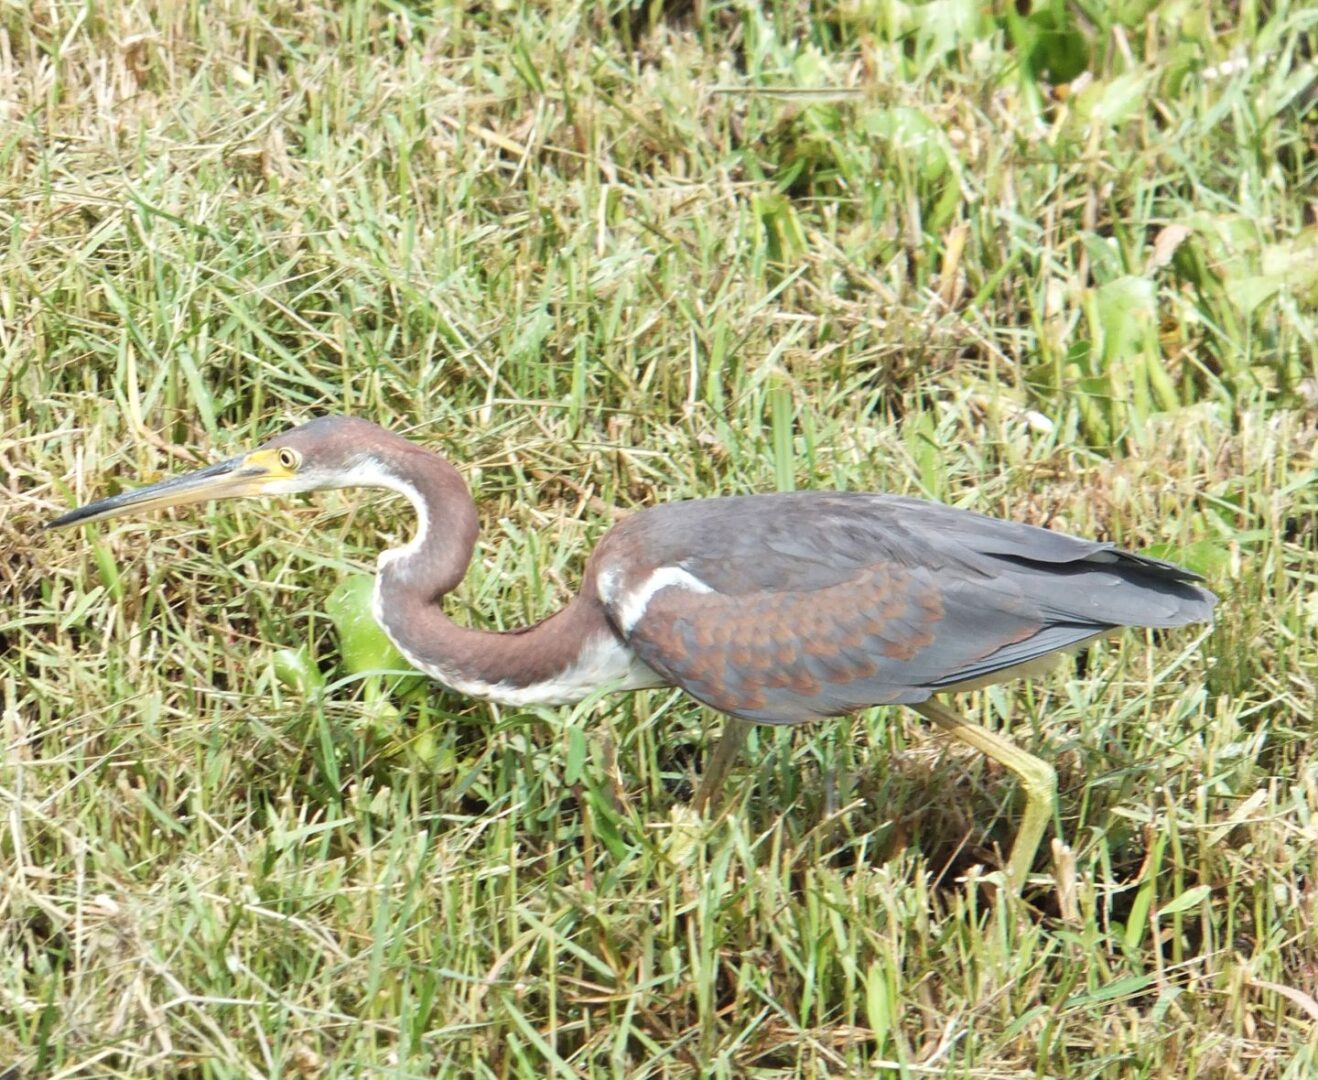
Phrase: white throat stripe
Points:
(368, 474)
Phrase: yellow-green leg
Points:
(1037, 777)
(720, 764)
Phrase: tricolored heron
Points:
(770, 608)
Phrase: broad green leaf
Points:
(296, 669)
(1130, 986)
(783, 231)
(878, 1003)
(1113, 102)
(1127, 309)
(947, 24)
(1295, 263)
(575, 767)
(1058, 51)
(912, 134)
(1189, 899)
(362, 643)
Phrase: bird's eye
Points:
(289, 459)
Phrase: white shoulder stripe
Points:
(632, 604)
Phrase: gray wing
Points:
(817, 604)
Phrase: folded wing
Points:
(789, 607)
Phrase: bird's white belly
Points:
(604, 664)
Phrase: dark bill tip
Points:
(214, 481)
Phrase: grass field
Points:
(1059, 265)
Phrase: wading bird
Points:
(770, 608)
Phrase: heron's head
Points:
(329, 452)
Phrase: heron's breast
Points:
(604, 663)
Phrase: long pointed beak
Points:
(227, 479)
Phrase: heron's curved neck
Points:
(437, 557)
(522, 666)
